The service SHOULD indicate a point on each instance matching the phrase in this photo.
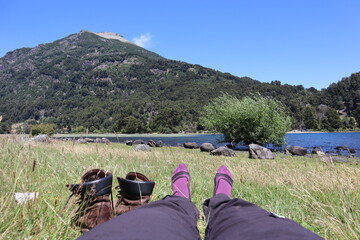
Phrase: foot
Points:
(180, 181)
(223, 181)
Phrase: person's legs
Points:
(171, 218)
(174, 217)
(238, 219)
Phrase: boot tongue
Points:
(92, 175)
(135, 176)
(95, 182)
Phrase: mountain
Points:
(103, 82)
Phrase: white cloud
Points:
(144, 40)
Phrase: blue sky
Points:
(313, 43)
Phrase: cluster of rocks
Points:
(82, 140)
(301, 151)
(140, 145)
(259, 152)
(340, 149)
(255, 151)
(208, 147)
(91, 140)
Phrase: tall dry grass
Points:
(323, 198)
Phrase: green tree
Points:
(349, 122)
(132, 125)
(4, 128)
(254, 119)
(357, 114)
(310, 120)
(168, 118)
(79, 129)
(43, 128)
(332, 120)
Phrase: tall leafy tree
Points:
(332, 120)
(310, 119)
(169, 117)
(132, 125)
(254, 119)
(357, 114)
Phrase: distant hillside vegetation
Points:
(107, 85)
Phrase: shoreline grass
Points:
(322, 197)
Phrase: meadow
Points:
(324, 198)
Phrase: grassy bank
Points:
(322, 198)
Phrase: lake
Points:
(326, 141)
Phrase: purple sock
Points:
(180, 181)
(223, 181)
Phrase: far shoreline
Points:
(304, 131)
(122, 135)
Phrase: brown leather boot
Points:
(93, 194)
(133, 191)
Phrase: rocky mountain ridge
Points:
(111, 35)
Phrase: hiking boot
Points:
(93, 194)
(133, 191)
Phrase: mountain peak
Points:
(110, 35)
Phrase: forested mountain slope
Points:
(110, 85)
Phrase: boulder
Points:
(190, 145)
(260, 152)
(223, 151)
(129, 142)
(89, 140)
(105, 140)
(315, 150)
(138, 141)
(207, 147)
(295, 150)
(341, 148)
(352, 150)
(159, 143)
(142, 147)
(41, 138)
(102, 140)
(81, 140)
(151, 143)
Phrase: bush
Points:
(254, 119)
(37, 129)
(79, 129)
(349, 122)
(132, 125)
(4, 128)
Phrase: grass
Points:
(323, 198)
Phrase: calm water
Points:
(327, 141)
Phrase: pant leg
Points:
(238, 219)
(170, 218)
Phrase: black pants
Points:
(176, 218)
